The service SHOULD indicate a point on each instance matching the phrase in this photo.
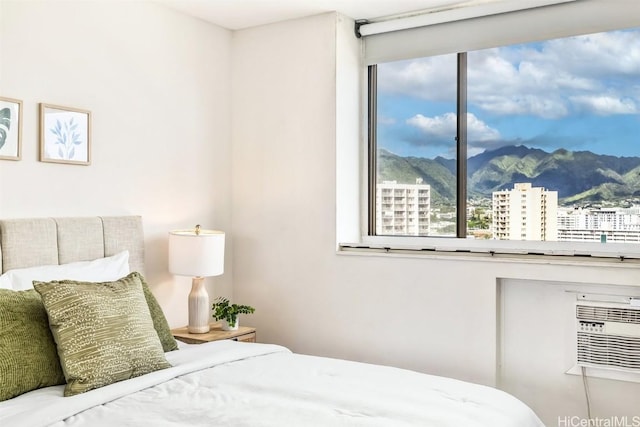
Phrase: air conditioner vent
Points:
(609, 351)
(608, 335)
(610, 314)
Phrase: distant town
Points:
(524, 212)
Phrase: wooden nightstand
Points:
(244, 334)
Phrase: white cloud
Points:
(501, 87)
(440, 127)
(479, 131)
(605, 105)
(443, 128)
(596, 73)
(548, 108)
(596, 55)
(427, 78)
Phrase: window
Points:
(534, 141)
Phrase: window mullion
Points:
(373, 147)
(461, 147)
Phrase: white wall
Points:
(157, 84)
(434, 314)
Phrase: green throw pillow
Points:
(103, 331)
(159, 321)
(28, 357)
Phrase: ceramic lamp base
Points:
(199, 309)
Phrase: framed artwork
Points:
(10, 129)
(65, 135)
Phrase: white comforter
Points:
(232, 384)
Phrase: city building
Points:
(599, 224)
(403, 209)
(525, 213)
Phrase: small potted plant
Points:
(227, 313)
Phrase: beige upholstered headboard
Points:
(48, 241)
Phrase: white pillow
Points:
(100, 270)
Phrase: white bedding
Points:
(232, 384)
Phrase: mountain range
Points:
(579, 177)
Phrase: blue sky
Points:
(577, 93)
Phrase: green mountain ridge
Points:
(579, 177)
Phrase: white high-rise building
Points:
(525, 213)
(599, 224)
(403, 209)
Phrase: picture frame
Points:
(65, 135)
(10, 129)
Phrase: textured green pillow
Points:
(103, 331)
(28, 357)
(159, 321)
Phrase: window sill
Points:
(580, 253)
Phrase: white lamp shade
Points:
(192, 254)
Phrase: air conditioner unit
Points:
(608, 335)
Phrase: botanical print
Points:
(67, 138)
(9, 128)
(5, 125)
(65, 135)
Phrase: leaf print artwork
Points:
(65, 135)
(10, 128)
(67, 138)
(5, 125)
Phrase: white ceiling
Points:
(239, 14)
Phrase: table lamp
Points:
(197, 253)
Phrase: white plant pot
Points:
(225, 325)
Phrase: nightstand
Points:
(244, 334)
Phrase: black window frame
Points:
(622, 250)
(460, 138)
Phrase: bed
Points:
(222, 383)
